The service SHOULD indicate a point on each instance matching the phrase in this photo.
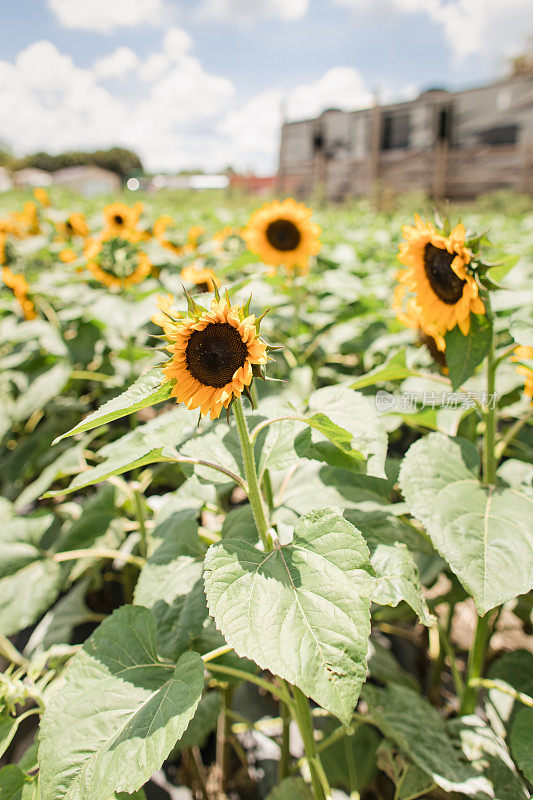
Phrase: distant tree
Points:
(117, 159)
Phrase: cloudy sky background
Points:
(201, 83)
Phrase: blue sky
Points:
(201, 82)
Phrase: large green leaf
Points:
(429, 465)
(119, 713)
(12, 782)
(484, 533)
(203, 722)
(521, 327)
(147, 444)
(512, 673)
(350, 760)
(146, 391)
(415, 727)
(488, 755)
(57, 625)
(291, 789)
(302, 610)
(41, 390)
(464, 353)
(486, 536)
(398, 579)
(394, 369)
(357, 414)
(30, 580)
(522, 741)
(170, 583)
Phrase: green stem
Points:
(233, 672)
(254, 493)
(302, 715)
(478, 651)
(511, 434)
(100, 552)
(489, 438)
(266, 483)
(283, 766)
(476, 661)
(139, 513)
(298, 705)
(456, 675)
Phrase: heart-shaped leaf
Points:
(119, 713)
(484, 533)
(301, 610)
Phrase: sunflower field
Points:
(265, 499)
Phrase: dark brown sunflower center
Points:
(438, 267)
(214, 354)
(283, 234)
(69, 226)
(118, 219)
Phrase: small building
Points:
(189, 181)
(254, 184)
(88, 180)
(447, 144)
(6, 182)
(31, 177)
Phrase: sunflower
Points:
(282, 233)
(228, 239)
(19, 286)
(74, 225)
(67, 256)
(116, 262)
(409, 313)
(525, 353)
(41, 195)
(121, 218)
(444, 292)
(194, 235)
(202, 277)
(169, 243)
(215, 354)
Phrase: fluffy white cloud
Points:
(489, 28)
(340, 87)
(184, 117)
(116, 64)
(50, 103)
(251, 132)
(106, 15)
(248, 11)
(176, 45)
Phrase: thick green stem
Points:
(476, 661)
(489, 437)
(298, 705)
(285, 757)
(254, 493)
(139, 513)
(478, 651)
(302, 715)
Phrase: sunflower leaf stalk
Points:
(485, 624)
(298, 705)
(254, 493)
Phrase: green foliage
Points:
(120, 705)
(177, 587)
(315, 590)
(465, 353)
(116, 159)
